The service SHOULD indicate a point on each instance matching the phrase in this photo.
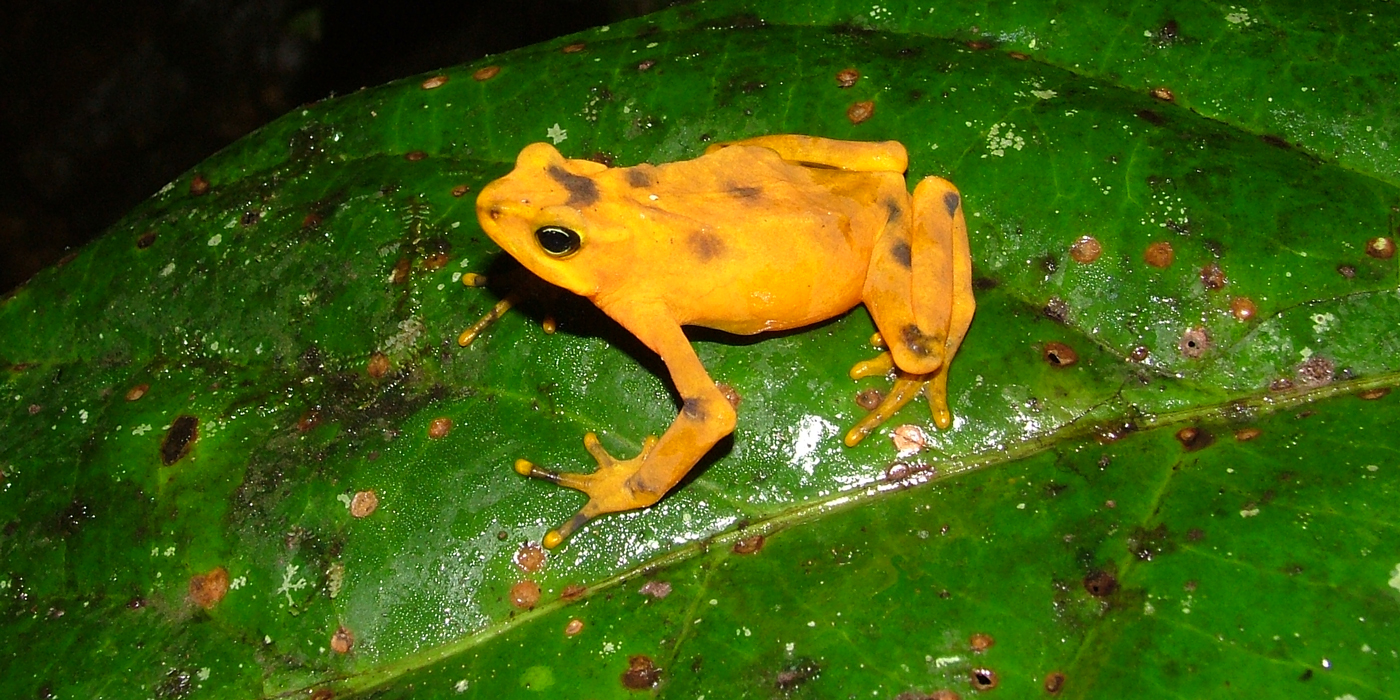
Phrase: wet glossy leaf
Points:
(243, 456)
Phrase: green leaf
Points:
(1159, 483)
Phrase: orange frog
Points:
(763, 234)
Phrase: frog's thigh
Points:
(938, 212)
(909, 286)
(859, 156)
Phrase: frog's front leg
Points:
(919, 290)
(705, 417)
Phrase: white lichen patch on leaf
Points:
(288, 585)
(1395, 578)
(998, 142)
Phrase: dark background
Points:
(103, 103)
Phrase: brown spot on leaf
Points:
(1164, 94)
(573, 627)
(981, 642)
(436, 260)
(525, 594)
(1151, 117)
(1247, 434)
(795, 674)
(1101, 584)
(135, 393)
(179, 439)
(309, 420)
(1212, 277)
(1243, 308)
(530, 558)
(401, 269)
(847, 77)
(342, 641)
(1193, 438)
(984, 679)
(645, 65)
(250, 218)
(1056, 309)
(486, 73)
(641, 673)
(730, 394)
(749, 545)
(1373, 394)
(439, 428)
(908, 438)
(1139, 353)
(574, 47)
(415, 156)
(1085, 250)
(378, 365)
(1054, 682)
(1159, 255)
(146, 239)
(434, 82)
(363, 503)
(1281, 384)
(1194, 342)
(572, 591)
(870, 398)
(199, 185)
(206, 590)
(1315, 371)
(1382, 248)
(860, 111)
(460, 190)
(1059, 355)
(1146, 544)
(311, 220)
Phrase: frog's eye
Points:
(558, 241)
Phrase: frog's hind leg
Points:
(919, 291)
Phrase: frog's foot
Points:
(610, 489)
(906, 385)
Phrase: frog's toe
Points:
(906, 386)
(609, 488)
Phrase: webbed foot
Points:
(906, 385)
(610, 489)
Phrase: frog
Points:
(762, 234)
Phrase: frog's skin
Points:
(768, 233)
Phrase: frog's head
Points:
(539, 214)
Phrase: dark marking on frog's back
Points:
(706, 245)
(951, 200)
(639, 177)
(894, 211)
(745, 191)
(903, 254)
(918, 342)
(693, 408)
(583, 192)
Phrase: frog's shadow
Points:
(539, 300)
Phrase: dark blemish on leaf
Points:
(311, 220)
(984, 284)
(797, 673)
(1276, 142)
(525, 595)
(529, 557)
(1247, 434)
(847, 77)
(34, 409)
(1381, 248)
(179, 439)
(637, 177)
(1101, 584)
(1151, 117)
(749, 545)
(309, 420)
(1017, 55)
(951, 200)
(1178, 227)
(401, 269)
(1059, 355)
(860, 111)
(1159, 255)
(984, 679)
(604, 158)
(1373, 394)
(135, 393)
(574, 48)
(641, 673)
(869, 399)
(1164, 94)
(1113, 432)
(1194, 342)
(364, 503)
(486, 73)
(1281, 384)
(439, 428)
(730, 394)
(1315, 371)
(1085, 250)
(1306, 676)
(979, 44)
(1146, 544)
(583, 192)
(645, 65)
(199, 185)
(1193, 438)
(574, 626)
(693, 409)
(1243, 308)
(980, 642)
(1346, 271)
(655, 589)
(434, 82)
(378, 365)
(460, 190)
(136, 603)
(902, 254)
(250, 218)
(1048, 264)
(1139, 353)
(1212, 277)
(206, 590)
(342, 641)
(177, 684)
(1054, 682)
(415, 156)
(1056, 309)
(572, 591)
(1195, 534)
(1169, 32)
(146, 239)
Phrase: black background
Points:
(103, 103)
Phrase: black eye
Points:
(557, 240)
